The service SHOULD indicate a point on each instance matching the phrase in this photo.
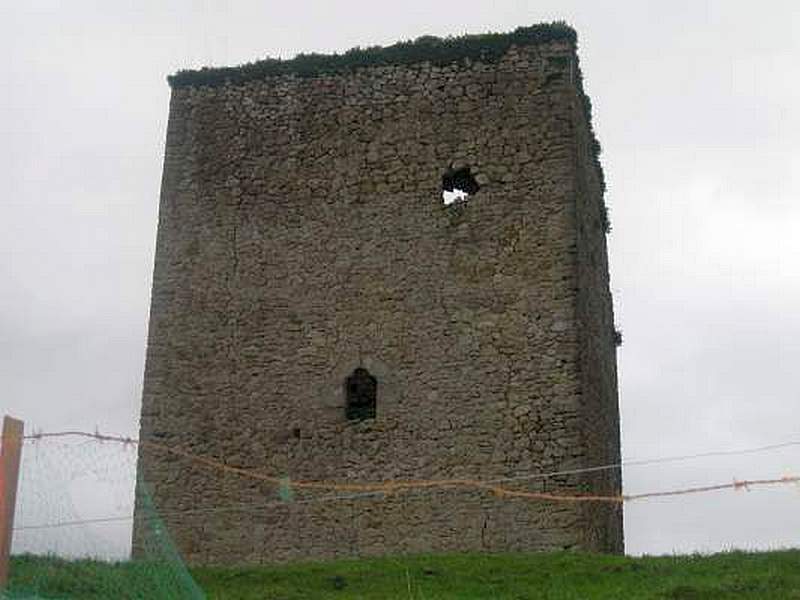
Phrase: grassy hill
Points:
(559, 576)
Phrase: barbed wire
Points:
(196, 511)
(651, 461)
(492, 486)
(388, 488)
(622, 498)
(400, 485)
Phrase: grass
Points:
(557, 576)
(49, 577)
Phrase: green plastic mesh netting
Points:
(72, 532)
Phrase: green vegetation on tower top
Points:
(487, 47)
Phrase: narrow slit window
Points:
(361, 393)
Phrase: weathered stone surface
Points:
(302, 234)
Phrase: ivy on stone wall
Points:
(594, 144)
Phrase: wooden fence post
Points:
(10, 452)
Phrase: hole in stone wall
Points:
(361, 392)
(458, 185)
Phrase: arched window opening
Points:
(458, 185)
(360, 390)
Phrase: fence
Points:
(495, 486)
(10, 451)
(284, 489)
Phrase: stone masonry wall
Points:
(302, 234)
(599, 405)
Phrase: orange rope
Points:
(390, 487)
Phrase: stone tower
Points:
(320, 313)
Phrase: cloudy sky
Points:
(695, 107)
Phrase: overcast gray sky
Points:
(695, 107)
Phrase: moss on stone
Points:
(487, 47)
